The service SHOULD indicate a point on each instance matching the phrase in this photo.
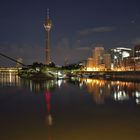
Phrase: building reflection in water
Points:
(9, 79)
(100, 89)
(118, 90)
(12, 79)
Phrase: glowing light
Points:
(81, 84)
(89, 81)
(59, 83)
(31, 86)
(138, 101)
(125, 54)
(89, 69)
(49, 120)
(115, 96)
(121, 95)
(10, 70)
(10, 77)
(137, 94)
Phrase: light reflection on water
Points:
(9, 79)
(75, 109)
(118, 90)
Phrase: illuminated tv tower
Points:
(48, 26)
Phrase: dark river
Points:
(76, 109)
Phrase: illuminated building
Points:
(118, 55)
(137, 51)
(107, 61)
(98, 55)
(129, 63)
(120, 59)
(100, 61)
(48, 26)
(137, 57)
(89, 64)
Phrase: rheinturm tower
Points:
(48, 26)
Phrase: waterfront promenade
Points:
(116, 75)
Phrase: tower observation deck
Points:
(48, 26)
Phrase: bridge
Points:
(11, 69)
(12, 59)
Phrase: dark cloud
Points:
(96, 30)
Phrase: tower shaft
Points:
(48, 59)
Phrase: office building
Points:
(118, 55)
(98, 54)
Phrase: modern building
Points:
(137, 51)
(118, 55)
(137, 57)
(98, 56)
(100, 60)
(89, 64)
(48, 26)
(107, 61)
(129, 64)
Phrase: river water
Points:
(76, 109)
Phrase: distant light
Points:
(10, 70)
(125, 54)
(81, 84)
(59, 83)
(92, 69)
(137, 94)
(128, 49)
(138, 101)
(10, 77)
(89, 81)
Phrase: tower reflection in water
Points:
(118, 90)
(49, 119)
(46, 88)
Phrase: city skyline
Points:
(77, 27)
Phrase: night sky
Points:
(78, 25)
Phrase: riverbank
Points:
(35, 76)
(112, 75)
(55, 73)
